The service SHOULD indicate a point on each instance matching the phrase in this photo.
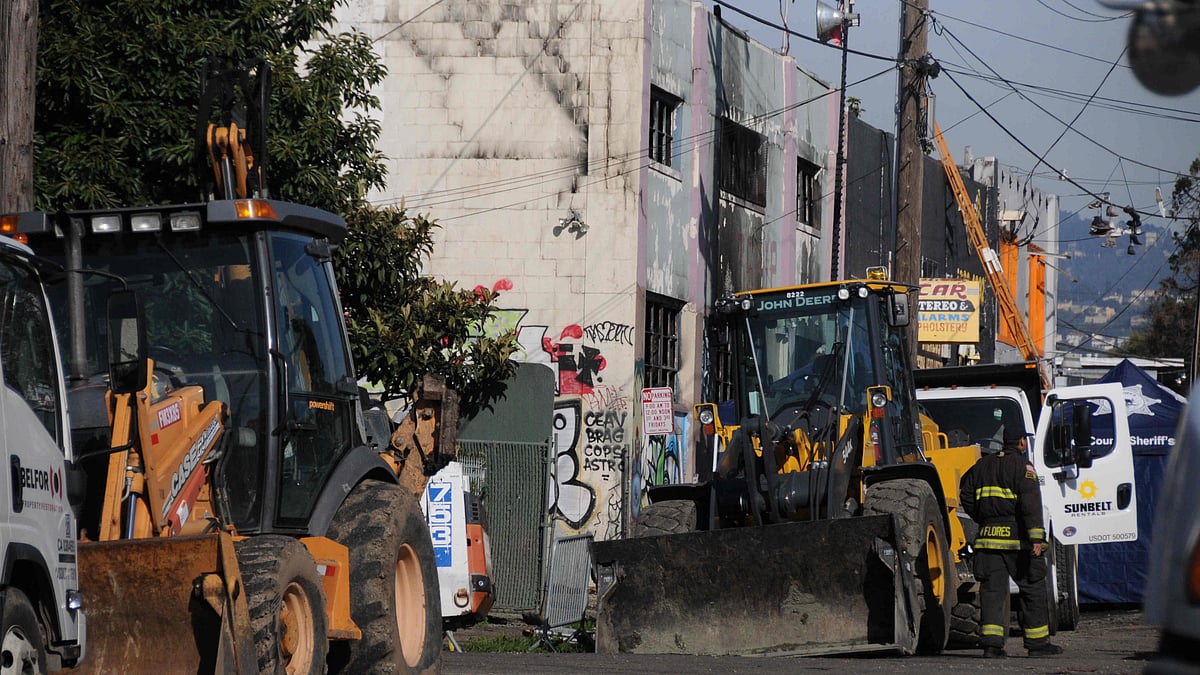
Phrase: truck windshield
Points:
(810, 348)
(967, 421)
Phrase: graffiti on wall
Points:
(593, 419)
(662, 460)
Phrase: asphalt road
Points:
(1107, 641)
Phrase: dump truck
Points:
(830, 524)
(43, 625)
(247, 504)
(972, 404)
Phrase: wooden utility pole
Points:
(18, 62)
(910, 156)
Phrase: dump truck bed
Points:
(821, 587)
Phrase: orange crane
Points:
(1009, 311)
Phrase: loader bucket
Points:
(150, 606)
(821, 587)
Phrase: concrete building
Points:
(611, 166)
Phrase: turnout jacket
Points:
(1000, 493)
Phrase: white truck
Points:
(1088, 495)
(42, 624)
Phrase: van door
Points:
(1087, 476)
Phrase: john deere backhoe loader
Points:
(825, 528)
(244, 506)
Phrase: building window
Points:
(808, 193)
(662, 341)
(662, 126)
(743, 158)
(720, 372)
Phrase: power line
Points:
(704, 138)
(490, 188)
(788, 31)
(1044, 110)
(1024, 39)
(1101, 19)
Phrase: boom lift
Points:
(247, 503)
(1009, 311)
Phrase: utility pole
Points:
(910, 156)
(18, 61)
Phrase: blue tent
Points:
(1116, 572)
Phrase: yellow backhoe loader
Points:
(248, 508)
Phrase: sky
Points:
(1065, 58)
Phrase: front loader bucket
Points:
(151, 606)
(821, 587)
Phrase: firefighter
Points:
(1000, 493)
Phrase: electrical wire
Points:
(1101, 19)
(1023, 39)
(499, 187)
(950, 76)
(788, 31)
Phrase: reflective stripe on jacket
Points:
(1001, 494)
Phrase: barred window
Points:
(808, 193)
(662, 341)
(720, 372)
(743, 163)
(662, 125)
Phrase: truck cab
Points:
(41, 607)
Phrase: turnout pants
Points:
(993, 569)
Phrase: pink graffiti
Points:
(502, 285)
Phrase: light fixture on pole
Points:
(832, 22)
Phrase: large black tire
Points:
(394, 592)
(965, 618)
(671, 516)
(287, 605)
(1066, 571)
(923, 535)
(21, 647)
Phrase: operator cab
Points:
(239, 300)
(812, 354)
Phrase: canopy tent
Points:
(1116, 572)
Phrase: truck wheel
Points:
(21, 648)
(965, 619)
(1066, 564)
(394, 596)
(671, 516)
(287, 605)
(923, 534)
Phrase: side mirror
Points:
(899, 314)
(1081, 424)
(127, 371)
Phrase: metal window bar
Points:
(566, 596)
(512, 480)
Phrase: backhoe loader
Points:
(249, 509)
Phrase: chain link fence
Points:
(512, 481)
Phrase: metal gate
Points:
(512, 481)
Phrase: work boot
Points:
(995, 653)
(1047, 649)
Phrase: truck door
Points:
(1093, 503)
